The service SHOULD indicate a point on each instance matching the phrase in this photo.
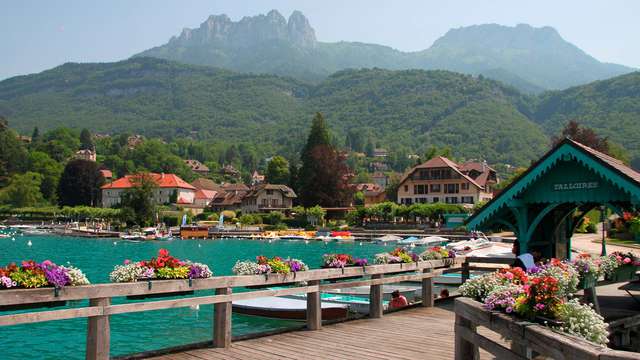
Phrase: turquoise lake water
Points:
(151, 330)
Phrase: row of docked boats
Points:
(340, 236)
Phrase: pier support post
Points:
(314, 308)
(466, 273)
(222, 321)
(376, 306)
(98, 333)
(464, 349)
(427, 290)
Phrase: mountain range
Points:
(530, 59)
(403, 110)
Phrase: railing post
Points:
(314, 308)
(465, 271)
(465, 350)
(376, 306)
(98, 332)
(222, 321)
(427, 290)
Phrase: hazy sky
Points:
(38, 35)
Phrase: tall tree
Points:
(80, 183)
(35, 135)
(584, 135)
(277, 171)
(86, 140)
(294, 181)
(50, 170)
(23, 190)
(138, 204)
(324, 176)
(13, 154)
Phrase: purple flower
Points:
(149, 273)
(7, 282)
(335, 263)
(360, 262)
(295, 265)
(198, 271)
(263, 269)
(539, 306)
(56, 275)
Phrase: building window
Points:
(269, 192)
(424, 175)
(419, 189)
(465, 186)
(408, 201)
(435, 188)
(451, 188)
(436, 199)
(467, 200)
(406, 188)
(451, 199)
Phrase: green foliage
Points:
(23, 190)
(274, 218)
(277, 171)
(13, 154)
(80, 183)
(250, 219)
(388, 211)
(137, 204)
(86, 140)
(50, 170)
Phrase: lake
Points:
(136, 332)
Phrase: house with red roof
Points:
(442, 180)
(168, 186)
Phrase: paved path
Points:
(417, 333)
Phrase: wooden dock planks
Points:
(417, 333)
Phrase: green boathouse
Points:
(544, 205)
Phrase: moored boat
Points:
(287, 308)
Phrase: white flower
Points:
(76, 276)
(127, 273)
(582, 321)
(245, 268)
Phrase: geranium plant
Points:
(397, 256)
(265, 265)
(163, 267)
(31, 274)
(341, 261)
(437, 253)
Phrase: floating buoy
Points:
(115, 243)
(306, 241)
(29, 243)
(199, 245)
(13, 239)
(360, 243)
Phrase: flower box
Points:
(164, 267)
(266, 266)
(342, 261)
(31, 306)
(623, 273)
(587, 281)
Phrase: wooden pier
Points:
(416, 333)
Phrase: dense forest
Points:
(405, 111)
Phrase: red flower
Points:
(163, 253)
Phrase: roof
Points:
(286, 191)
(628, 178)
(440, 162)
(378, 175)
(234, 187)
(205, 194)
(205, 184)
(371, 187)
(196, 165)
(107, 174)
(162, 181)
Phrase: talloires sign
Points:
(576, 186)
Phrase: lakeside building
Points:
(86, 154)
(268, 197)
(168, 186)
(256, 178)
(442, 180)
(373, 193)
(197, 167)
(107, 175)
(381, 179)
(229, 197)
(206, 184)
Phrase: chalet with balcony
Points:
(442, 180)
(268, 197)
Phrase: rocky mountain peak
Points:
(300, 31)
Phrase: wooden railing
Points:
(527, 340)
(468, 261)
(100, 307)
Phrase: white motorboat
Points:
(387, 240)
(132, 237)
(287, 308)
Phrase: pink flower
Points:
(127, 262)
(626, 260)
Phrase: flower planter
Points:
(587, 282)
(335, 280)
(623, 273)
(547, 321)
(30, 306)
(255, 287)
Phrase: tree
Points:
(294, 181)
(277, 171)
(324, 176)
(370, 148)
(584, 135)
(59, 143)
(13, 154)
(392, 188)
(23, 190)
(80, 184)
(86, 140)
(50, 170)
(138, 205)
(35, 135)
